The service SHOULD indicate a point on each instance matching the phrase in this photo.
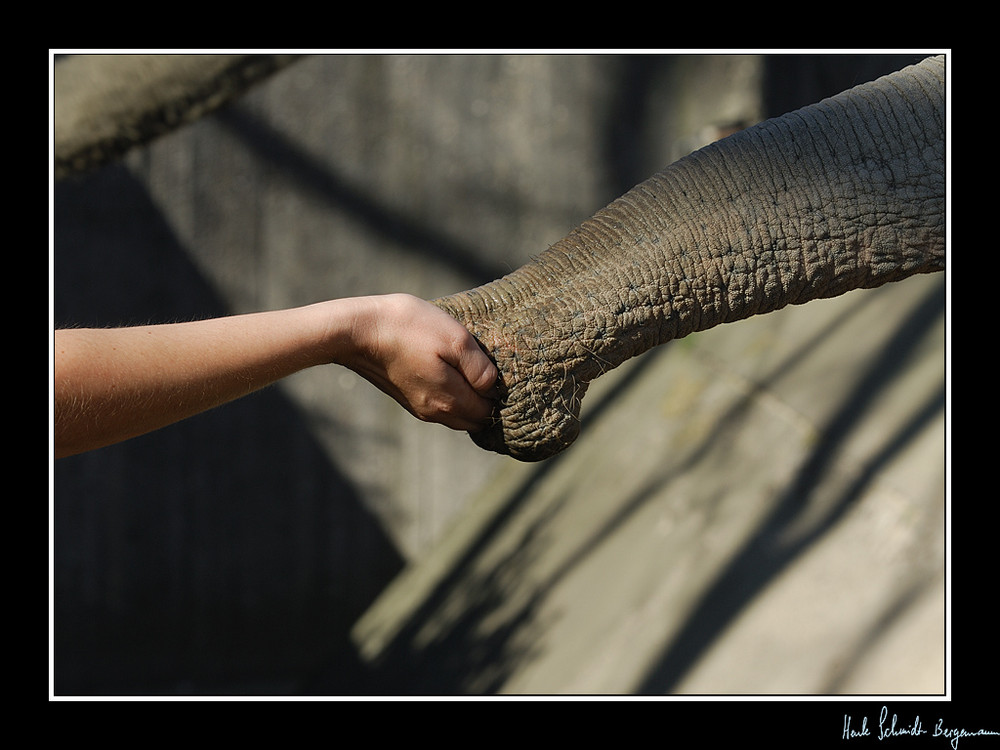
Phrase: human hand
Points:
(422, 357)
(116, 383)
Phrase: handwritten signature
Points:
(893, 727)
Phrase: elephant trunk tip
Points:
(535, 421)
(538, 413)
(528, 449)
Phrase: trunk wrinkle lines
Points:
(781, 213)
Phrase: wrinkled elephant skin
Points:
(845, 194)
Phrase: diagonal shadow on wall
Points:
(462, 660)
(271, 146)
(213, 555)
(770, 549)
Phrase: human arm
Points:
(114, 384)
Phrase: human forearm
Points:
(117, 383)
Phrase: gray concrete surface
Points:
(754, 509)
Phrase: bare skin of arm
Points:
(118, 383)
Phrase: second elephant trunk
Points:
(845, 194)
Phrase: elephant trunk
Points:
(845, 194)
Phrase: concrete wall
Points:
(236, 551)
